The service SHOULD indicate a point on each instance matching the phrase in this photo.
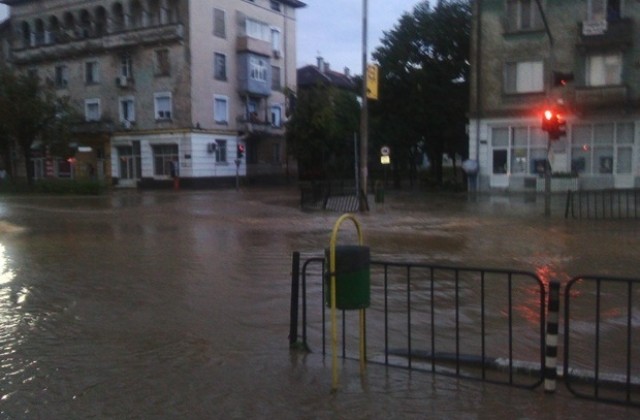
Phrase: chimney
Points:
(320, 64)
(326, 68)
(347, 72)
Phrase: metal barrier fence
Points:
(329, 195)
(485, 324)
(603, 204)
(475, 323)
(603, 315)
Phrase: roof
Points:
(311, 75)
(293, 3)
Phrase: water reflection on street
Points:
(176, 304)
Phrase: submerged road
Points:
(176, 304)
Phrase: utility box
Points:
(353, 277)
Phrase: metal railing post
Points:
(551, 341)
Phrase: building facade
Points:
(167, 87)
(580, 57)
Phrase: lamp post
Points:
(364, 118)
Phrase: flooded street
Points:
(176, 304)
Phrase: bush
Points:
(77, 187)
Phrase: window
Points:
(258, 69)
(276, 41)
(221, 151)
(162, 64)
(92, 109)
(127, 109)
(598, 10)
(91, 72)
(518, 150)
(524, 77)
(257, 30)
(602, 149)
(163, 105)
(275, 78)
(220, 109)
(219, 27)
(62, 76)
(276, 116)
(165, 160)
(125, 66)
(275, 5)
(219, 66)
(604, 70)
(523, 15)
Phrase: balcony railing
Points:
(605, 34)
(256, 46)
(601, 96)
(65, 47)
(254, 124)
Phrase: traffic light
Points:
(554, 124)
(240, 151)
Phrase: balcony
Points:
(601, 96)
(67, 47)
(603, 35)
(253, 45)
(255, 125)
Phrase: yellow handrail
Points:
(334, 322)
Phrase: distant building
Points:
(165, 86)
(309, 76)
(517, 69)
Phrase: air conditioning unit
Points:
(211, 148)
(122, 81)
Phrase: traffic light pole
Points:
(547, 166)
(364, 116)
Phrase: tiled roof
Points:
(311, 75)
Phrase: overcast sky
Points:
(333, 29)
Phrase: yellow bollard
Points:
(333, 302)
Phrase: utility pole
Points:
(364, 117)
(547, 166)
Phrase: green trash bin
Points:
(353, 277)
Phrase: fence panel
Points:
(468, 322)
(603, 204)
(602, 338)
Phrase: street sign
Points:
(385, 160)
(384, 151)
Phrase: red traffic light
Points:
(240, 151)
(554, 124)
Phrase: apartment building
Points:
(167, 87)
(581, 57)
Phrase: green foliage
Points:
(76, 187)
(424, 69)
(320, 132)
(30, 111)
(54, 186)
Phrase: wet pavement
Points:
(176, 304)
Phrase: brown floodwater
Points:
(176, 304)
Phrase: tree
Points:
(29, 112)
(321, 129)
(424, 68)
